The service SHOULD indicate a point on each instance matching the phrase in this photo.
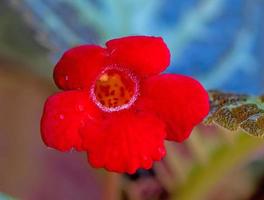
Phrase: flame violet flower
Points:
(117, 108)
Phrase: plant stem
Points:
(112, 186)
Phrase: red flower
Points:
(117, 108)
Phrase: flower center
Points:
(115, 89)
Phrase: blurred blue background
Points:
(220, 42)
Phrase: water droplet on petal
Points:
(66, 78)
(162, 151)
(81, 108)
(61, 116)
(145, 158)
(146, 161)
(82, 123)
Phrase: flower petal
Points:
(124, 141)
(79, 66)
(64, 113)
(180, 100)
(145, 55)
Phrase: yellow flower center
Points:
(115, 90)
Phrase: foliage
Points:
(233, 112)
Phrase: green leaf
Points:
(237, 111)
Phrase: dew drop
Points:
(145, 158)
(61, 116)
(146, 161)
(162, 151)
(80, 107)
(82, 123)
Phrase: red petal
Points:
(125, 141)
(180, 100)
(64, 113)
(143, 54)
(79, 66)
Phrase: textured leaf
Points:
(237, 111)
